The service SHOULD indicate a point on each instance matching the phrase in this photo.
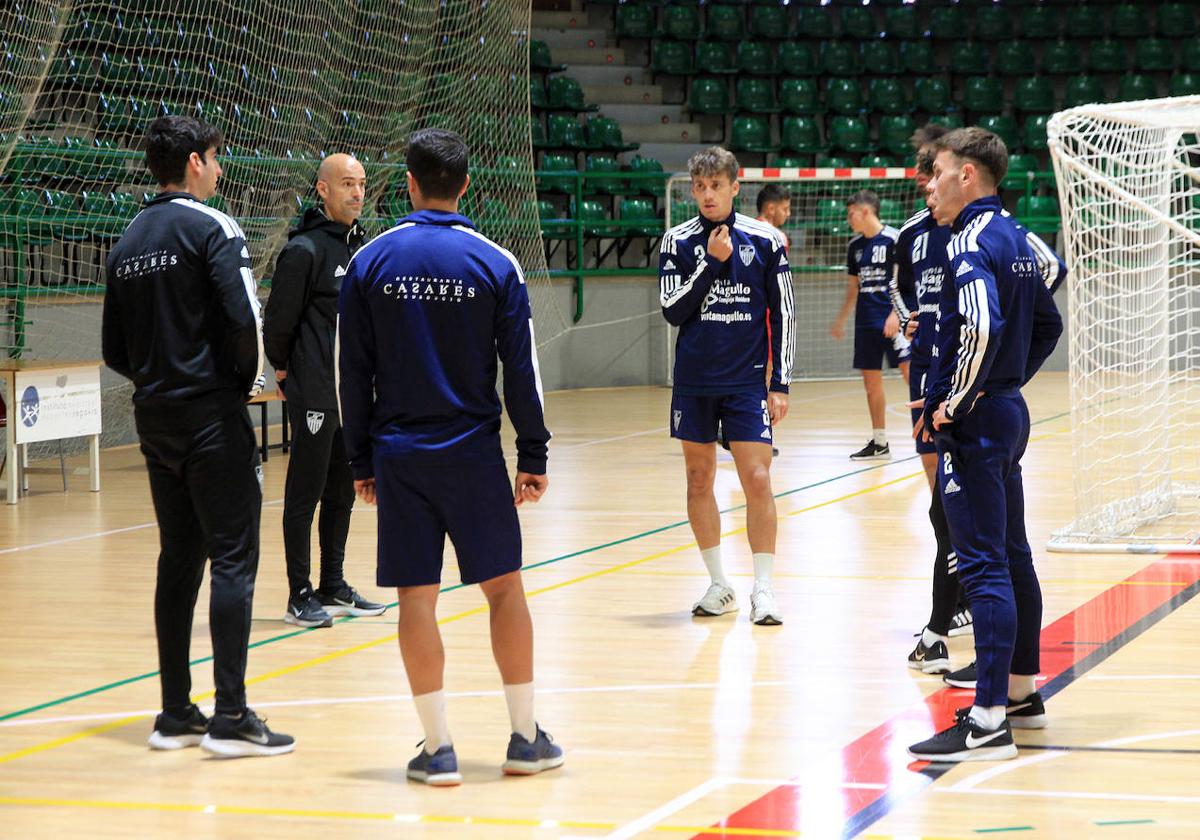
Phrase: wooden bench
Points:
(262, 400)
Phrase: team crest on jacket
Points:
(315, 419)
(747, 252)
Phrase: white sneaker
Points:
(763, 609)
(718, 600)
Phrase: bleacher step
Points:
(623, 94)
(609, 74)
(660, 133)
(589, 55)
(567, 39)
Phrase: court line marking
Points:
(1145, 677)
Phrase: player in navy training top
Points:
(1003, 327)
(870, 262)
(424, 311)
(720, 274)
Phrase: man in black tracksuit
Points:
(181, 320)
(298, 330)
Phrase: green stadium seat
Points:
(715, 57)
(681, 211)
(849, 134)
(1039, 23)
(537, 94)
(637, 21)
(799, 96)
(756, 96)
(1083, 90)
(1039, 213)
(1134, 86)
(948, 23)
(1177, 20)
(726, 23)
(751, 134)
(564, 93)
(679, 22)
(858, 23)
(1034, 95)
(797, 59)
(843, 96)
(901, 23)
(125, 206)
(1015, 58)
(1062, 58)
(1189, 56)
(709, 96)
(800, 134)
(594, 216)
(831, 217)
(1021, 167)
(948, 120)
(1033, 133)
(605, 133)
(932, 95)
(892, 212)
(835, 162)
(994, 23)
(889, 96)
(1107, 56)
(791, 161)
(1004, 127)
(917, 57)
(1154, 55)
(603, 173)
(769, 22)
(895, 134)
(639, 218)
(876, 161)
(557, 183)
(116, 70)
(672, 58)
(880, 58)
(983, 94)
(815, 22)
(839, 58)
(537, 133)
(539, 56)
(970, 58)
(639, 165)
(1131, 20)
(755, 58)
(564, 132)
(1185, 84)
(1085, 22)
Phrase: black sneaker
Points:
(962, 678)
(345, 601)
(967, 741)
(1029, 713)
(174, 733)
(962, 623)
(248, 735)
(931, 659)
(304, 610)
(873, 452)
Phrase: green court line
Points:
(1123, 822)
(1008, 828)
(590, 550)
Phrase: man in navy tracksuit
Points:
(424, 311)
(992, 342)
(720, 274)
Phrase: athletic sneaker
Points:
(962, 678)
(718, 600)
(930, 659)
(175, 733)
(346, 601)
(1029, 713)
(304, 610)
(873, 452)
(245, 736)
(967, 741)
(962, 624)
(439, 769)
(526, 758)
(763, 609)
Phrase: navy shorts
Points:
(420, 504)
(916, 390)
(871, 348)
(744, 416)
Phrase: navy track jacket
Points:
(425, 310)
(721, 307)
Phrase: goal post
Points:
(1129, 189)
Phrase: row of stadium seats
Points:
(994, 22)
(565, 132)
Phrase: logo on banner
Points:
(747, 253)
(31, 406)
(314, 419)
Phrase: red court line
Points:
(880, 757)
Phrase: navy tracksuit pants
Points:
(979, 476)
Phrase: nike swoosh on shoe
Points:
(973, 742)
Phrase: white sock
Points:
(712, 561)
(929, 637)
(1021, 686)
(988, 717)
(519, 697)
(431, 709)
(880, 437)
(764, 567)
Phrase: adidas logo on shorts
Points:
(952, 487)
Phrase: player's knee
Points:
(758, 481)
(700, 478)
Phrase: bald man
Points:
(298, 332)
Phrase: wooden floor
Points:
(672, 725)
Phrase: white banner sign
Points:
(56, 404)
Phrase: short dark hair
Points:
(770, 194)
(980, 146)
(868, 197)
(921, 141)
(437, 160)
(170, 141)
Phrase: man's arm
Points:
(683, 281)
(782, 307)
(979, 333)
(112, 335)
(231, 277)
(289, 291)
(902, 282)
(838, 328)
(354, 370)
(1051, 265)
(1047, 327)
(523, 397)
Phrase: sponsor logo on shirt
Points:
(429, 289)
(144, 264)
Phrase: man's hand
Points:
(777, 407)
(837, 330)
(910, 328)
(529, 488)
(365, 489)
(891, 326)
(720, 246)
(280, 377)
(939, 417)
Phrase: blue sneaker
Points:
(439, 769)
(526, 759)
